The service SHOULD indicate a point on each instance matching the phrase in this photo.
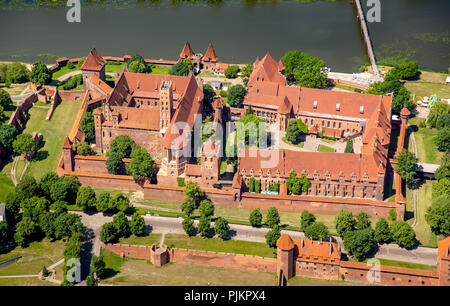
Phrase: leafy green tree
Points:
(382, 232)
(208, 93)
(442, 140)
(221, 227)
(40, 203)
(109, 234)
(137, 225)
(206, 208)
(403, 71)
(246, 72)
(250, 130)
(137, 67)
(188, 226)
(403, 234)
(91, 281)
(83, 148)
(344, 222)
(304, 69)
(141, 164)
(98, 265)
(258, 186)
(12, 207)
(306, 219)
(40, 74)
(121, 224)
(317, 231)
(114, 163)
(45, 183)
(188, 206)
(439, 108)
(188, 62)
(104, 201)
(256, 217)
(5, 99)
(236, 95)
(392, 215)
(26, 232)
(349, 146)
(17, 73)
(27, 188)
(7, 136)
(406, 165)
(362, 221)
(86, 198)
(204, 226)
(359, 242)
(441, 187)
(181, 69)
(232, 71)
(273, 217)
(24, 144)
(59, 191)
(272, 236)
(59, 207)
(251, 184)
(292, 132)
(74, 246)
(120, 202)
(67, 225)
(122, 144)
(73, 186)
(87, 126)
(192, 190)
(3, 231)
(438, 215)
(443, 121)
(47, 224)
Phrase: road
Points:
(156, 224)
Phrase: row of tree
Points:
(121, 227)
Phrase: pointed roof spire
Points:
(187, 51)
(67, 144)
(94, 61)
(210, 54)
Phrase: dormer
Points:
(338, 107)
(315, 104)
(361, 109)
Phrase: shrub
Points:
(273, 217)
(382, 232)
(221, 227)
(306, 219)
(317, 231)
(188, 226)
(256, 217)
(83, 148)
(272, 236)
(232, 71)
(403, 234)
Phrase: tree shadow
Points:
(40, 155)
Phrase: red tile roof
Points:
(94, 61)
(317, 251)
(67, 143)
(100, 84)
(444, 248)
(187, 51)
(210, 54)
(285, 243)
(266, 70)
(221, 67)
(137, 118)
(193, 170)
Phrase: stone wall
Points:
(19, 117)
(71, 94)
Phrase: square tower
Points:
(165, 104)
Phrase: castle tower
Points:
(67, 155)
(187, 52)
(285, 258)
(210, 163)
(98, 129)
(165, 104)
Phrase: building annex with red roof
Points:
(208, 61)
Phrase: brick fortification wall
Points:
(19, 117)
(71, 94)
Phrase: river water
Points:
(239, 32)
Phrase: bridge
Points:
(426, 170)
(367, 40)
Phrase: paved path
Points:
(158, 224)
(233, 82)
(17, 276)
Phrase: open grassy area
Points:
(6, 185)
(34, 257)
(429, 83)
(140, 272)
(14, 89)
(160, 70)
(426, 149)
(25, 281)
(306, 281)
(63, 71)
(145, 240)
(402, 264)
(323, 148)
(299, 144)
(54, 132)
(114, 68)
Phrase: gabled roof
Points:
(94, 61)
(210, 54)
(100, 84)
(266, 70)
(285, 242)
(187, 51)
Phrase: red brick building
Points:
(208, 61)
(93, 65)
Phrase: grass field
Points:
(323, 148)
(63, 71)
(145, 240)
(114, 68)
(160, 70)
(140, 272)
(6, 185)
(34, 257)
(429, 83)
(14, 89)
(426, 149)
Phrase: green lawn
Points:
(54, 132)
(429, 83)
(114, 68)
(14, 89)
(426, 149)
(125, 271)
(145, 240)
(6, 186)
(323, 148)
(63, 71)
(160, 70)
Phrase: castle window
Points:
(340, 124)
(306, 121)
(328, 124)
(334, 125)
(323, 122)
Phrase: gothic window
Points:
(340, 124)
(323, 122)
(328, 125)
(334, 125)
(306, 121)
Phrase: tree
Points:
(362, 221)
(403, 234)
(5, 99)
(17, 73)
(98, 265)
(141, 164)
(406, 165)
(108, 234)
(181, 69)
(114, 163)
(246, 72)
(439, 108)
(306, 219)
(137, 225)
(27, 188)
(192, 190)
(87, 126)
(317, 231)
(74, 246)
(47, 225)
(66, 225)
(304, 69)
(137, 67)
(232, 71)
(382, 232)
(59, 191)
(441, 187)
(12, 207)
(443, 121)
(344, 222)
(40, 203)
(221, 227)
(206, 208)
(438, 215)
(236, 95)
(256, 217)
(91, 281)
(121, 224)
(45, 183)
(40, 74)
(292, 132)
(208, 93)
(122, 144)
(83, 148)
(188, 226)
(349, 146)
(188, 206)
(3, 231)
(7, 135)
(86, 198)
(359, 243)
(258, 186)
(273, 217)
(442, 140)
(26, 232)
(272, 236)
(24, 144)
(120, 202)
(104, 201)
(204, 226)
(403, 71)
(444, 169)
(251, 184)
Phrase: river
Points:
(239, 31)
